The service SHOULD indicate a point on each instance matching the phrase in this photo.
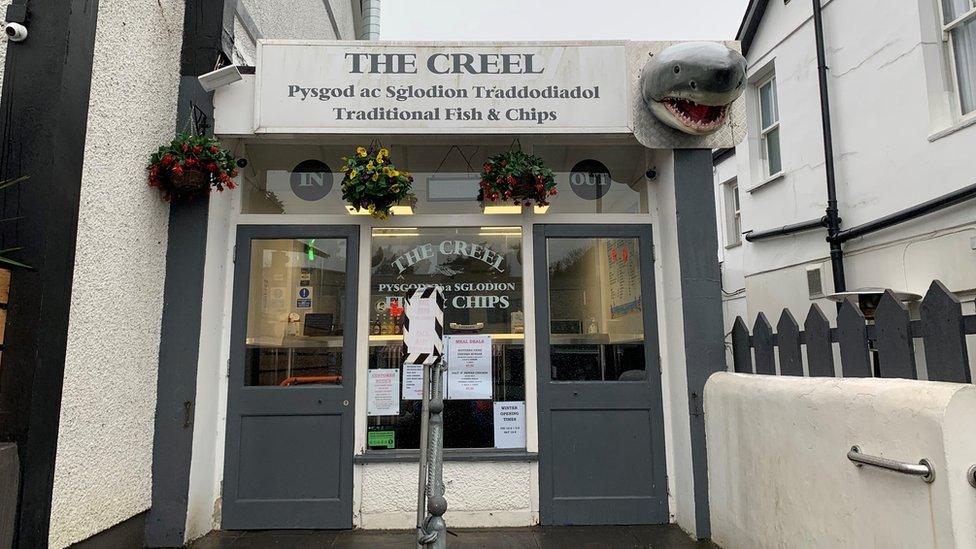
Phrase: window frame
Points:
(950, 52)
(733, 213)
(768, 80)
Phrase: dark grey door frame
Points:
(650, 389)
(312, 398)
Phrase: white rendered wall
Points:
(729, 255)
(779, 474)
(103, 472)
(480, 493)
(895, 145)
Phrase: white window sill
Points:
(968, 120)
(775, 177)
(733, 245)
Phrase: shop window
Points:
(296, 303)
(595, 318)
(959, 28)
(304, 179)
(769, 127)
(480, 271)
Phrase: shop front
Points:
(578, 407)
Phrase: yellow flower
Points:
(344, 168)
(395, 173)
(376, 176)
(369, 165)
(384, 152)
(360, 151)
(352, 174)
(379, 159)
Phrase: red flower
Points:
(184, 147)
(190, 161)
(212, 167)
(178, 170)
(233, 173)
(214, 149)
(553, 192)
(487, 167)
(167, 160)
(197, 149)
(231, 185)
(511, 180)
(224, 177)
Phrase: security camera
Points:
(15, 32)
(651, 174)
(241, 162)
(220, 77)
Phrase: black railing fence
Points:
(885, 346)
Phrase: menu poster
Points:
(383, 392)
(623, 276)
(413, 382)
(510, 424)
(469, 367)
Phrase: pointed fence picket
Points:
(884, 347)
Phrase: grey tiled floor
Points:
(542, 537)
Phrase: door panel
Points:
(288, 458)
(601, 427)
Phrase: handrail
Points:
(923, 468)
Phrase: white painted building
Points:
(902, 83)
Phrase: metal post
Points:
(436, 502)
(422, 478)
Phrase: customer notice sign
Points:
(362, 87)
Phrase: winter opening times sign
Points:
(318, 87)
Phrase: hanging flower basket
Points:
(191, 166)
(373, 183)
(517, 176)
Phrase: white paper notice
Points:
(510, 424)
(413, 382)
(469, 367)
(383, 392)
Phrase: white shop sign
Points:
(356, 87)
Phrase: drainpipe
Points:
(832, 219)
(371, 20)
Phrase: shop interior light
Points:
(354, 211)
(504, 210)
(401, 210)
(397, 231)
(541, 209)
(500, 231)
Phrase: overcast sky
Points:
(560, 19)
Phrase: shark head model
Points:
(690, 86)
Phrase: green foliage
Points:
(214, 166)
(374, 183)
(517, 176)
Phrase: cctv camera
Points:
(15, 32)
(651, 174)
(220, 77)
(241, 162)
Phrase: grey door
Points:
(601, 427)
(288, 457)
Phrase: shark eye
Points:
(677, 69)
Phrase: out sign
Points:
(590, 179)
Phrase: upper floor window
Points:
(959, 32)
(733, 214)
(769, 127)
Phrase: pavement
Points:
(541, 537)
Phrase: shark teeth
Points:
(701, 118)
